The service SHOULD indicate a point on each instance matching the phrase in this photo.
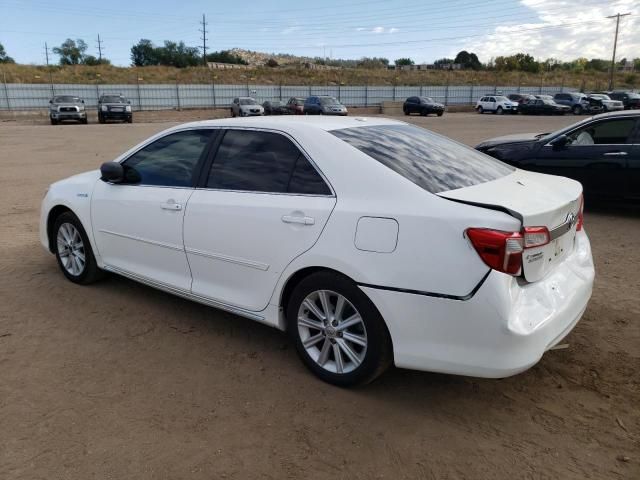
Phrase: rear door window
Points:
(258, 161)
(612, 132)
(433, 162)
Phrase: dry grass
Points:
(302, 76)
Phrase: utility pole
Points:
(99, 49)
(204, 40)
(615, 45)
(46, 56)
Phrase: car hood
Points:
(66, 104)
(115, 104)
(519, 138)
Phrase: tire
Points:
(499, 111)
(480, 110)
(130, 120)
(440, 114)
(577, 110)
(53, 122)
(67, 229)
(365, 362)
(100, 119)
(233, 113)
(406, 111)
(424, 113)
(85, 121)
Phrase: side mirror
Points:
(82, 101)
(50, 101)
(129, 102)
(559, 142)
(111, 172)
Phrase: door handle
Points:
(615, 154)
(171, 205)
(298, 219)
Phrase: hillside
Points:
(298, 75)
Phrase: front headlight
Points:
(81, 108)
(104, 108)
(128, 108)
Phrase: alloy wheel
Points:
(332, 331)
(71, 249)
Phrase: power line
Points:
(203, 30)
(100, 49)
(615, 45)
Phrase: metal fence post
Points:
(471, 94)
(541, 81)
(178, 94)
(139, 98)
(366, 95)
(6, 91)
(309, 90)
(280, 91)
(446, 92)
(340, 93)
(213, 87)
(394, 92)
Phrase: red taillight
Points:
(536, 237)
(580, 222)
(500, 250)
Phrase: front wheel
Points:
(499, 111)
(338, 332)
(577, 110)
(73, 250)
(440, 114)
(480, 110)
(406, 111)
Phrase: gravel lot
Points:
(120, 381)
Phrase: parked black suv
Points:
(630, 100)
(422, 105)
(114, 107)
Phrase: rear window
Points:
(431, 161)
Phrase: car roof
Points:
(326, 123)
(619, 113)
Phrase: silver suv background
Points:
(67, 107)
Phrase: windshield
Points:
(431, 161)
(247, 101)
(113, 99)
(502, 99)
(634, 95)
(427, 100)
(547, 101)
(275, 103)
(329, 101)
(297, 101)
(66, 99)
(600, 96)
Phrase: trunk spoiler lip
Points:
(488, 206)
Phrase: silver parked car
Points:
(67, 107)
(246, 107)
(608, 104)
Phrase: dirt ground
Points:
(120, 381)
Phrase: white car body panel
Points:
(238, 244)
(444, 308)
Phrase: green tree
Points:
(71, 52)
(519, 62)
(94, 61)
(177, 54)
(271, 63)
(468, 60)
(4, 58)
(144, 53)
(404, 61)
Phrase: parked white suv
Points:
(496, 104)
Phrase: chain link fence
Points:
(19, 96)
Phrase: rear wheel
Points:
(73, 250)
(440, 114)
(53, 122)
(338, 332)
(405, 110)
(577, 110)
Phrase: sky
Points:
(423, 30)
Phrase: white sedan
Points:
(371, 241)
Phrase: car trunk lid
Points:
(537, 200)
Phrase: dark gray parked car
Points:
(324, 105)
(67, 107)
(579, 103)
(114, 107)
